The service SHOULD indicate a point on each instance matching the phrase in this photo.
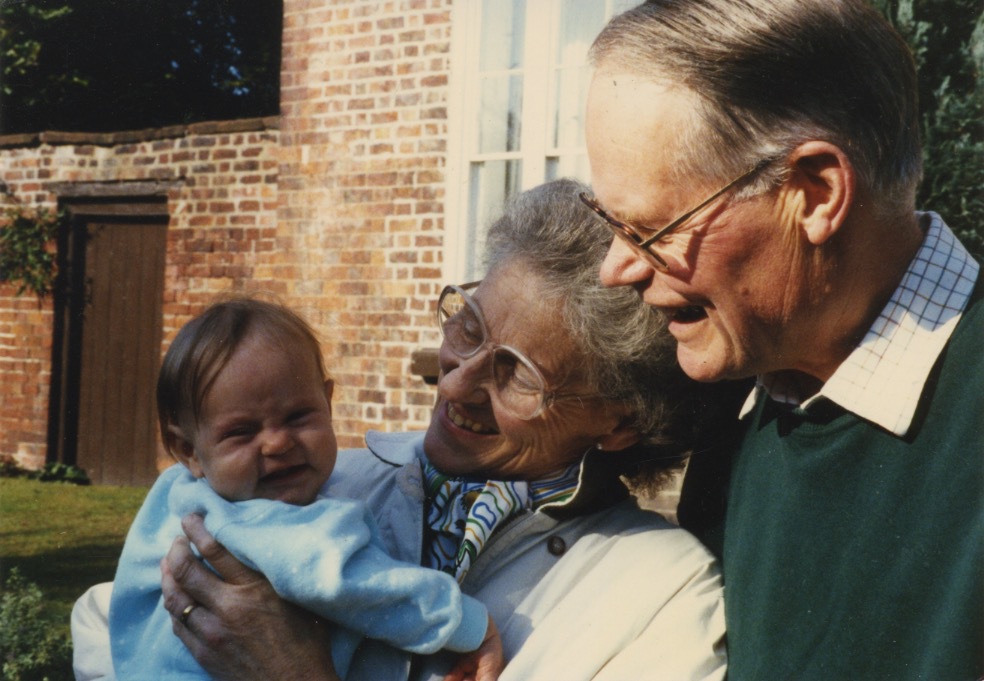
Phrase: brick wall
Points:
(363, 150)
(223, 213)
(25, 363)
(339, 212)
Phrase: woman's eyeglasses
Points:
(518, 383)
(646, 246)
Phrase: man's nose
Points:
(622, 266)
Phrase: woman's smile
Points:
(464, 422)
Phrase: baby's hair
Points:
(204, 346)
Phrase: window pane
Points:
(500, 114)
(502, 34)
(569, 165)
(511, 74)
(580, 22)
(490, 183)
(619, 6)
(568, 108)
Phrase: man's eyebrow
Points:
(634, 219)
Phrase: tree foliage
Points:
(104, 65)
(947, 41)
(27, 256)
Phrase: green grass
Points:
(63, 537)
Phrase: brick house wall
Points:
(363, 148)
(336, 207)
(223, 211)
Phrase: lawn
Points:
(63, 537)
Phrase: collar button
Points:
(556, 545)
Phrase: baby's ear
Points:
(182, 449)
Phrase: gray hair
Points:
(771, 74)
(628, 353)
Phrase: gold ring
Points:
(186, 613)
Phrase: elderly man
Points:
(759, 162)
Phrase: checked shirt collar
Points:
(883, 378)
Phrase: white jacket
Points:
(579, 591)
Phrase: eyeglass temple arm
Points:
(690, 213)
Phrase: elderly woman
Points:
(553, 390)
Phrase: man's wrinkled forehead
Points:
(635, 129)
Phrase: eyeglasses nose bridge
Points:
(475, 361)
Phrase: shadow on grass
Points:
(64, 574)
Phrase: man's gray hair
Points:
(627, 351)
(771, 74)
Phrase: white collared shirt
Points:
(883, 377)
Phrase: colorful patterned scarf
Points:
(462, 514)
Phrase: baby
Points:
(244, 403)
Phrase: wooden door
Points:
(103, 414)
(121, 344)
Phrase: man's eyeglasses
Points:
(646, 246)
(518, 383)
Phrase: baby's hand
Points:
(483, 664)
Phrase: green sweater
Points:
(851, 553)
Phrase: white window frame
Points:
(461, 252)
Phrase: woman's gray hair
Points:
(629, 354)
(771, 74)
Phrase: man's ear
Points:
(822, 180)
(182, 449)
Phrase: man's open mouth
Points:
(468, 424)
(684, 315)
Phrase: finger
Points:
(185, 579)
(456, 674)
(192, 638)
(175, 598)
(179, 606)
(219, 558)
(188, 617)
(185, 615)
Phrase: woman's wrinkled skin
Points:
(470, 434)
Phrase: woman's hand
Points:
(483, 664)
(239, 629)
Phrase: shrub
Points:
(27, 256)
(60, 472)
(947, 40)
(32, 649)
(9, 468)
(52, 472)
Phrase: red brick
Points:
(342, 213)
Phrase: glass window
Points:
(519, 82)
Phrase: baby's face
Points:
(265, 427)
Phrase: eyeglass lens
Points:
(517, 382)
(645, 247)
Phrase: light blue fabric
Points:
(585, 590)
(326, 556)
